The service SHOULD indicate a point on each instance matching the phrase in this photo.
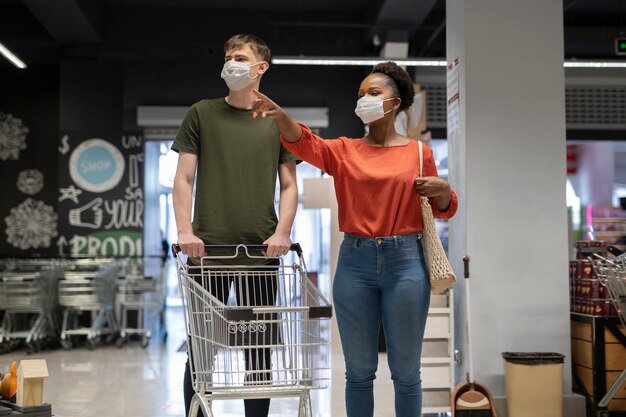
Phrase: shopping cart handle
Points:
(295, 247)
(610, 248)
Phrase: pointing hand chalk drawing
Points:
(96, 165)
(89, 215)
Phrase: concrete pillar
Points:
(507, 163)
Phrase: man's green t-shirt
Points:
(238, 158)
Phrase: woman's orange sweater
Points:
(373, 184)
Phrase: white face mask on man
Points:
(370, 108)
(237, 74)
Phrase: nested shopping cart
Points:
(141, 290)
(612, 273)
(253, 331)
(88, 285)
(28, 300)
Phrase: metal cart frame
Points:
(88, 285)
(612, 272)
(142, 290)
(27, 288)
(223, 337)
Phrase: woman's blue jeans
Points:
(382, 278)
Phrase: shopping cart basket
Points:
(82, 290)
(141, 290)
(28, 299)
(253, 331)
(612, 273)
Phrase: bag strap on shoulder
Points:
(421, 156)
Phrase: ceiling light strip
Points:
(361, 61)
(11, 57)
(594, 64)
(355, 61)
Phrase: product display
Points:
(588, 294)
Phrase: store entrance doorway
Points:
(159, 222)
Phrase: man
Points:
(237, 159)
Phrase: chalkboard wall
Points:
(100, 169)
(29, 125)
(100, 194)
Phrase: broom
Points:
(471, 398)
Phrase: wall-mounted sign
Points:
(96, 165)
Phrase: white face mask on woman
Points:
(370, 108)
(237, 74)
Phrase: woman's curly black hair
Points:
(400, 82)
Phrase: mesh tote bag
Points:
(439, 270)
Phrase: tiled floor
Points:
(136, 382)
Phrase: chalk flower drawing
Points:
(30, 181)
(32, 224)
(12, 136)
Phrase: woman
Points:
(381, 274)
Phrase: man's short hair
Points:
(258, 46)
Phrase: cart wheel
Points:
(120, 342)
(5, 347)
(51, 343)
(91, 343)
(15, 344)
(32, 348)
(66, 344)
(145, 341)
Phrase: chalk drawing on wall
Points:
(65, 146)
(61, 244)
(89, 215)
(30, 181)
(70, 193)
(31, 225)
(133, 169)
(106, 243)
(12, 136)
(96, 165)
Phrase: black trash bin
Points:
(534, 384)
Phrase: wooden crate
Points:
(598, 357)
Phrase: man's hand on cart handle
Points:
(191, 245)
(176, 249)
(277, 245)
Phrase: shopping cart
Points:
(141, 290)
(253, 331)
(612, 272)
(88, 286)
(28, 300)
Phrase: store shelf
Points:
(611, 228)
(609, 219)
(435, 385)
(437, 335)
(435, 410)
(439, 310)
(438, 365)
(435, 361)
(609, 233)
